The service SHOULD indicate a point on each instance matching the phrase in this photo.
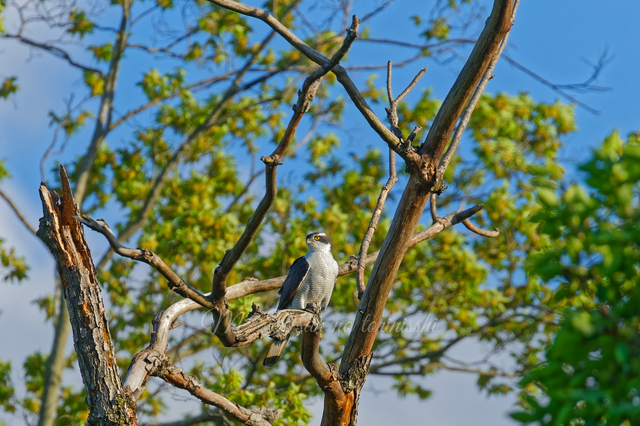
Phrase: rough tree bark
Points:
(63, 235)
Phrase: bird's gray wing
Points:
(291, 284)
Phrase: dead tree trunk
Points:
(63, 234)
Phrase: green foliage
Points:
(8, 86)
(102, 53)
(7, 391)
(591, 370)
(13, 268)
(79, 24)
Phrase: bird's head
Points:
(318, 241)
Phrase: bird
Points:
(311, 279)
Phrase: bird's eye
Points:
(316, 238)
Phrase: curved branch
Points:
(253, 416)
(483, 232)
(175, 283)
(54, 50)
(470, 226)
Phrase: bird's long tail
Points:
(274, 352)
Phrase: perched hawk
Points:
(310, 280)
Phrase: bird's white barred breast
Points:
(317, 285)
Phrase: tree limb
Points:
(410, 156)
(466, 116)
(18, 213)
(174, 281)
(305, 98)
(253, 416)
(484, 52)
(470, 226)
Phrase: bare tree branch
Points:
(466, 116)
(470, 226)
(18, 213)
(483, 54)
(253, 416)
(408, 154)
(54, 50)
(305, 98)
(175, 283)
(373, 224)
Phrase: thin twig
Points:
(555, 87)
(54, 50)
(373, 224)
(18, 213)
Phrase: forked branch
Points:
(305, 98)
(410, 156)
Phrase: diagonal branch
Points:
(496, 28)
(54, 50)
(409, 155)
(373, 224)
(175, 283)
(466, 222)
(18, 213)
(253, 416)
(466, 116)
(105, 110)
(305, 98)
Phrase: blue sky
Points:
(552, 38)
